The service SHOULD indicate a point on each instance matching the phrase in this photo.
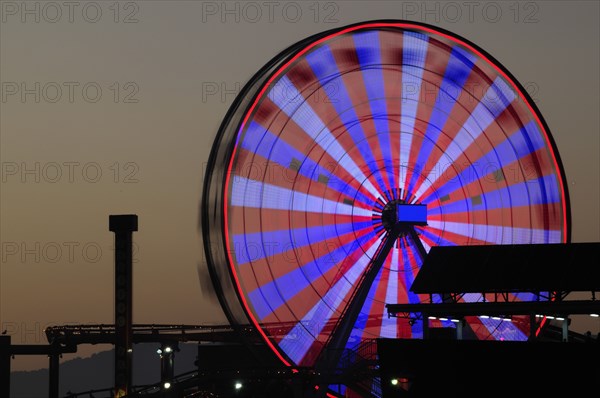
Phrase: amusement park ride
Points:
(342, 163)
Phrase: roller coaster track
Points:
(68, 335)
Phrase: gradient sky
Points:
(167, 79)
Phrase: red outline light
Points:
(276, 74)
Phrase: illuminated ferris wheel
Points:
(351, 154)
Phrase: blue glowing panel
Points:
(412, 214)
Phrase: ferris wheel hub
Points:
(389, 215)
(397, 211)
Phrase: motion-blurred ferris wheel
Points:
(352, 153)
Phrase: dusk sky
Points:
(112, 107)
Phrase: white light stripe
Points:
(256, 194)
(425, 245)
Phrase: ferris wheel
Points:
(351, 154)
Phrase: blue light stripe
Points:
(323, 65)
